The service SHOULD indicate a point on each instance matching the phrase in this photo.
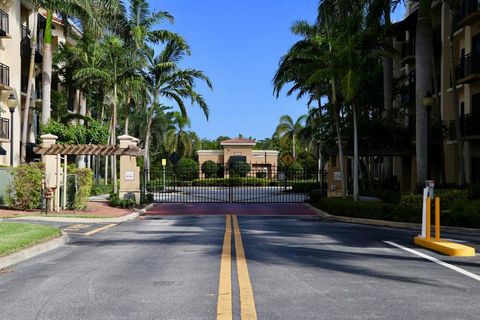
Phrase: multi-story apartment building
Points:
(466, 55)
(16, 23)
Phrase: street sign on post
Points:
(287, 159)
(164, 163)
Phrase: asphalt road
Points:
(300, 267)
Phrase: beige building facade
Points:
(466, 56)
(239, 149)
(16, 23)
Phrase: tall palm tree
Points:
(166, 80)
(177, 138)
(287, 130)
(423, 80)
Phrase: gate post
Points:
(51, 169)
(129, 171)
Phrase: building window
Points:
(4, 128)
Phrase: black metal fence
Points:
(237, 182)
(4, 74)
(4, 23)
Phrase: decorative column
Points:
(50, 162)
(129, 187)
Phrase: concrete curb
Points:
(390, 224)
(142, 212)
(33, 251)
(128, 217)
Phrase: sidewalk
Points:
(96, 212)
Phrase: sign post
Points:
(287, 159)
(164, 163)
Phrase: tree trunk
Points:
(146, 163)
(293, 147)
(355, 155)
(456, 109)
(114, 136)
(336, 115)
(31, 75)
(423, 49)
(82, 112)
(388, 85)
(47, 69)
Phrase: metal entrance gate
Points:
(237, 182)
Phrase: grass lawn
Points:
(17, 236)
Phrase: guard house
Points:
(240, 149)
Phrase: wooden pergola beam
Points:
(89, 149)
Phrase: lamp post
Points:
(428, 102)
(12, 104)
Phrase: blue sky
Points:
(238, 45)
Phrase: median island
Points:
(17, 236)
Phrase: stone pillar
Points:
(50, 161)
(129, 171)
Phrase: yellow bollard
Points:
(429, 205)
(437, 218)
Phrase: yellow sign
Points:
(164, 162)
(287, 159)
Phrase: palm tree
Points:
(423, 79)
(180, 140)
(287, 130)
(166, 80)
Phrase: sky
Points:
(238, 44)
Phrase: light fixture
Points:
(12, 102)
(428, 101)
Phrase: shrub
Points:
(210, 169)
(115, 201)
(186, 170)
(294, 171)
(450, 196)
(369, 210)
(462, 214)
(304, 187)
(474, 192)
(240, 169)
(84, 188)
(411, 201)
(101, 189)
(25, 192)
(261, 175)
(316, 195)
(235, 181)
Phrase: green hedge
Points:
(115, 201)
(25, 192)
(462, 214)
(447, 198)
(304, 187)
(369, 210)
(235, 181)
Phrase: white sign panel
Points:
(129, 176)
(337, 175)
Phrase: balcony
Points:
(26, 45)
(38, 86)
(468, 13)
(4, 29)
(469, 68)
(408, 51)
(4, 77)
(4, 129)
(468, 127)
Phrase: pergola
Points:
(89, 149)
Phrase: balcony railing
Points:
(4, 28)
(4, 128)
(4, 75)
(468, 9)
(469, 126)
(468, 66)
(408, 50)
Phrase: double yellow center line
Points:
(247, 303)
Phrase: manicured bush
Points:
(474, 192)
(115, 201)
(304, 187)
(84, 188)
(316, 195)
(261, 174)
(447, 198)
(369, 210)
(240, 169)
(186, 170)
(462, 214)
(210, 169)
(101, 189)
(294, 171)
(234, 181)
(25, 192)
(411, 201)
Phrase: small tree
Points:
(186, 170)
(240, 169)
(210, 169)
